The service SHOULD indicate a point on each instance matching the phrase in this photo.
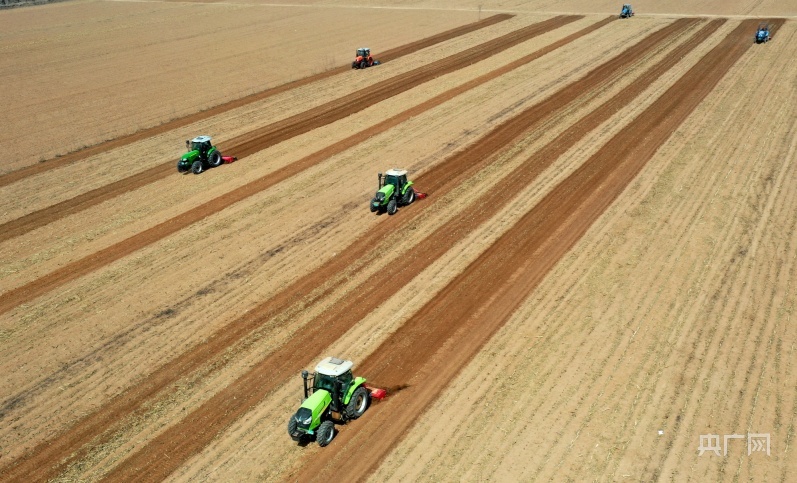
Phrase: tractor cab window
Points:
(196, 146)
(345, 379)
(324, 382)
(394, 180)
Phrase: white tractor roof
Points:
(201, 139)
(332, 366)
(396, 172)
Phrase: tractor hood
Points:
(384, 193)
(190, 155)
(308, 417)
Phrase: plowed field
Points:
(599, 283)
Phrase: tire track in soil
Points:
(102, 147)
(280, 131)
(454, 326)
(298, 124)
(229, 404)
(50, 457)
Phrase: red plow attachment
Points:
(229, 159)
(377, 393)
(418, 194)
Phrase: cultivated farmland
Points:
(603, 270)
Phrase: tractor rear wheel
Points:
(325, 433)
(409, 197)
(363, 64)
(214, 159)
(358, 403)
(197, 167)
(392, 207)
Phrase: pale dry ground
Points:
(235, 249)
(77, 73)
(673, 313)
(641, 7)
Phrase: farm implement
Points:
(394, 191)
(331, 395)
(363, 59)
(201, 155)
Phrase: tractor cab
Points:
(200, 144)
(626, 11)
(363, 52)
(334, 376)
(396, 178)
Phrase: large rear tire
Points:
(325, 433)
(197, 167)
(214, 160)
(392, 207)
(409, 197)
(358, 403)
(363, 64)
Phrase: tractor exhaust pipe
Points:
(379, 187)
(305, 375)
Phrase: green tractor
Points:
(331, 394)
(201, 155)
(394, 191)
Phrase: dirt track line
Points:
(535, 244)
(386, 56)
(281, 131)
(57, 450)
(301, 123)
(235, 400)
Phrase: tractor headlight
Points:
(308, 421)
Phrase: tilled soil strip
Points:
(212, 417)
(431, 348)
(297, 125)
(386, 56)
(70, 442)
(301, 123)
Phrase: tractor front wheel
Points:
(392, 207)
(214, 159)
(197, 167)
(180, 168)
(363, 64)
(372, 206)
(292, 425)
(358, 403)
(325, 433)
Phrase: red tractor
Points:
(363, 59)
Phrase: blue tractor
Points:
(627, 11)
(762, 34)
